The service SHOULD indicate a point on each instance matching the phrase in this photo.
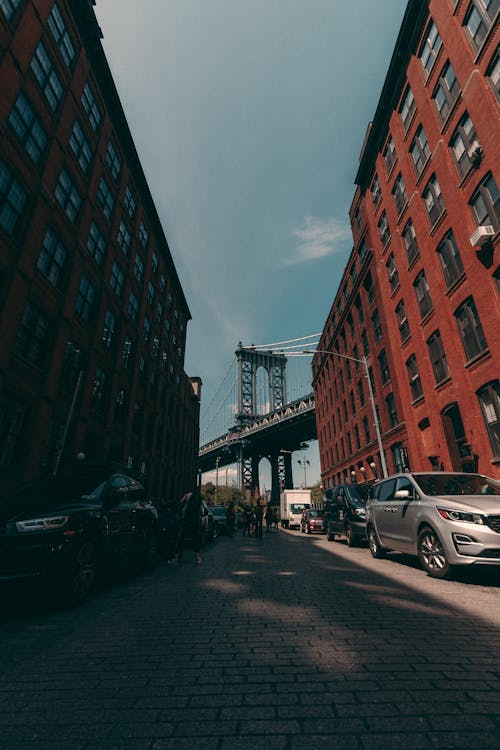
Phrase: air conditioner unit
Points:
(482, 235)
(475, 152)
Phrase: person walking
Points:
(191, 525)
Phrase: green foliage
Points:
(225, 495)
(317, 494)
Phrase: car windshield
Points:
(218, 510)
(314, 514)
(457, 484)
(297, 507)
(53, 491)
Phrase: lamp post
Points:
(363, 362)
(304, 463)
(217, 462)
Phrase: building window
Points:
(68, 196)
(60, 33)
(364, 341)
(366, 430)
(154, 262)
(90, 106)
(410, 242)
(146, 331)
(9, 7)
(392, 273)
(143, 235)
(493, 72)
(109, 329)
(383, 229)
(12, 415)
(129, 202)
(361, 393)
(376, 191)
(123, 237)
(31, 341)
(414, 378)
(133, 307)
(420, 151)
(117, 279)
(377, 326)
(399, 194)
(46, 76)
(52, 258)
(70, 367)
(390, 155)
(162, 283)
(28, 128)
(113, 161)
(126, 352)
(150, 293)
(449, 258)
(85, 299)
(430, 48)
(407, 108)
(384, 367)
(446, 92)
(438, 357)
(402, 318)
(433, 200)
(12, 199)
(138, 268)
(422, 293)
(96, 244)
(479, 20)
(159, 312)
(80, 147)
(470, 329)
(489, 398)
(105, 198)
(465, 146)
(400, 458)
(485, 203)
(99, 390)
(391, 410)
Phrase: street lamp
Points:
(217, 462)
(305, 464)
(363, 362)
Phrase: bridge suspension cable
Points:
(279, 343)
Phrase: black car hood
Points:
(68, 509)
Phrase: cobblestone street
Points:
(283, 643)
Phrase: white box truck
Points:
(292, 503)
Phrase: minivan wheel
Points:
(431, 554)
(378, 552)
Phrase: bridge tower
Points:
(248, 465)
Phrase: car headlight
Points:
(458, 515)
(48, 523)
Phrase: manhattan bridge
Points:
(263, 408)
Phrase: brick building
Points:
(419, 296)
(93, 317)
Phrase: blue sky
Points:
(249, 116)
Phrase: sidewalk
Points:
(279, 643)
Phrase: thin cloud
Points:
(317, 239)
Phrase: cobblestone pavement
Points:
(285, 643)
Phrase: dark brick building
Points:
(93, 317)
(419, 296)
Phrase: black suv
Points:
(345, 512)
(65, 527)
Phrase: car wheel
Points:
(349, 534)
(378, 552)
(148, 548)
(431, 554)
(81, 572)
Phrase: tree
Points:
(317, 494)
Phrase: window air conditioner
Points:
(482, 235)
(475, 152)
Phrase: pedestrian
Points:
(231, 519)
(191, 525)
(275, 518)
(259, 516)
(247, 520)
(269, 518)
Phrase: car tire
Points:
(349, 535)
(376, 549)
(431, 554)
(79, 577)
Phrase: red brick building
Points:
(93, 317)
(419, 296)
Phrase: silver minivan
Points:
(446, 519)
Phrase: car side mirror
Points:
(403, 495)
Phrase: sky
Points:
(249, 117)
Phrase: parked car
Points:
(312, 522)
(220, 518)
(346, 513)
(446, 519)
(65, 528)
